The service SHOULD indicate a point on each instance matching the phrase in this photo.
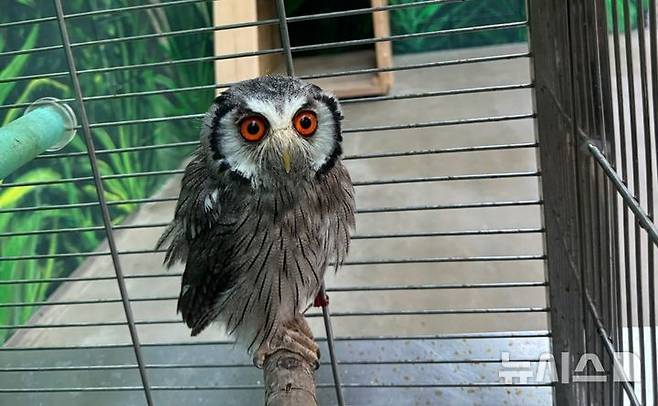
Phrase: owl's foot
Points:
(294, 336)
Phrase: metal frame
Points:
(599, 201)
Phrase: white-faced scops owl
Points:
(266, 206)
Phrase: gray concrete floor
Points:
(412, 194)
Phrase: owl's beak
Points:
(285, 157)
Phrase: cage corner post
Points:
(577, 136)
(549, 33)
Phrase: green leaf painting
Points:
(107, 104)
(473, 13)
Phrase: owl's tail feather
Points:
(196, 316)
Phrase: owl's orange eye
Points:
(306, 123)
(253, 128)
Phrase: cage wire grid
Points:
(597, 195)
(287, 50)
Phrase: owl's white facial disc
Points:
(277, 100)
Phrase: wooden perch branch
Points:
(289, 380)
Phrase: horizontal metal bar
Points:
(46, 182)
(49, 207)
(358, 211)
(343, 289)
(133, 8)
(441, 286)
(478, 148)
(354, 237)
(58, 279)
(79, 229)
(251, 365)
(431, 312)
(370, 313)
(626, 195)
(356, 183)
(51, 231)
(442, 123)
(446, 178)
(7, 54)
(439, 123)
(464, 233)
(27, 22)
(438, 93)
(496, 335)
(260, 387)
(85, 301)
(90, 204)
(350, 262)
(182, 144)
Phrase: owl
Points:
(265, 207)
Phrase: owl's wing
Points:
(197, 209)
(198, 229)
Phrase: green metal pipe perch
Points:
(47, 125)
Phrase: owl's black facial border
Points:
(332, 105)
(224, 106)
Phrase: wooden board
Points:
(244, 40)
(250, 39)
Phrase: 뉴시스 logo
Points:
(626, 369)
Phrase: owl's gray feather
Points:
(256, 242)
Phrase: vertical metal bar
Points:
(607, 217)
(594, 128)
(653, 46)
(538, 160)
(587, 120)
(107, 221)
(649, 173)
(636, 190)
(582, 396)
(285, 37)
(326, 315)
(624, 155)
(584, 120)
(624, 171)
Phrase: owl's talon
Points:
(260, 355)
(294, 337)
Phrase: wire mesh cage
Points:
(445, 296)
